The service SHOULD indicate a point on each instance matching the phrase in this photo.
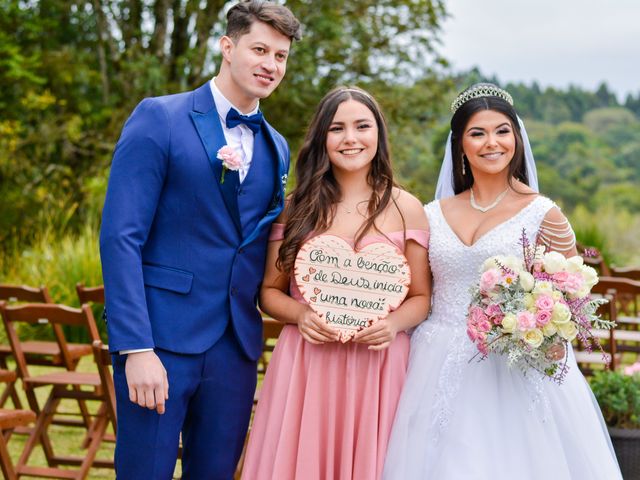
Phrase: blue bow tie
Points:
(254, 122)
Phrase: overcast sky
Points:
(556, 42)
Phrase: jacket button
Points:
(234, 290)
(241, 250)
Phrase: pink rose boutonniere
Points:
(230, 160)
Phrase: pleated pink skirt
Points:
(325, 411)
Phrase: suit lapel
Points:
(207, 122)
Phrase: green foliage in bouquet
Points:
(619, 397)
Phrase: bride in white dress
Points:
(460, 418)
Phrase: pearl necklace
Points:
(474, 205)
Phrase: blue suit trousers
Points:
(204, 404)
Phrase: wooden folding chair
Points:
(627, 297)
(40, 352)
(591, 361)
(9, 420)
(18, 293)
(90, 294)
(107, 409)
(63, 385)
(632, 273)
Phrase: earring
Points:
(464, 170)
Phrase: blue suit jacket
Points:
(176, 266)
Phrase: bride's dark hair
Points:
(459, 122)
(311, 207)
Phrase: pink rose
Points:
(544, 302)
(472, 333)
(632, 369)
(494, 312)
(230, 158)
(484, 326)
(542, 317)
(489, 279)
(568, 282)
(476, 315)
(526, 321)
(574, 283)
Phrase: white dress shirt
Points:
(240, 138)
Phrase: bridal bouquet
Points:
(530, 308)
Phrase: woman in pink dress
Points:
(326, 407)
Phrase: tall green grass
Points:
(58, 261)
(613, 231)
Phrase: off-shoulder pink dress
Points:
(326, 411)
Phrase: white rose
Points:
(560, 314)
(590, 275)
(491, 262)
(568, 331)
(543, 287)
(556, 295)
(509, 323)
(574, 263)
(583, 292)
(529, 302)
(554, 262)
(549, 329)
(534, 337)
(526, 281)
(512, 263)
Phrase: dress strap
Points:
(421, 237)
(277, 232)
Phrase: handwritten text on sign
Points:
(350, 289)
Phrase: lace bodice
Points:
(455, 266)
(455, 269)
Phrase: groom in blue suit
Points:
(183, 244)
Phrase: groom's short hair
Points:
(242, 15)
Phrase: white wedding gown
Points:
(460, 418)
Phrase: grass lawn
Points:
(65, 440)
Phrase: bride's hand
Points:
(556, 352)
(378, 336)
(315, 330)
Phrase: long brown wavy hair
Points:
(312, 205)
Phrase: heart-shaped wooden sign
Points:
(350, 289)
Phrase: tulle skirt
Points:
(467, 419)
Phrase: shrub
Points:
(618, 395)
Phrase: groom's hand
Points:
(147, 380)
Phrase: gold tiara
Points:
(480, 91)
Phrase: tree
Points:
(72, 70)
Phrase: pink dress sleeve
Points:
(421, 237)
(277, 232)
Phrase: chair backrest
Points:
(23, 293)
(52, 314)
(270, 332)
(90, 294)
(627, 293)
(632, 273)
(102, 358)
